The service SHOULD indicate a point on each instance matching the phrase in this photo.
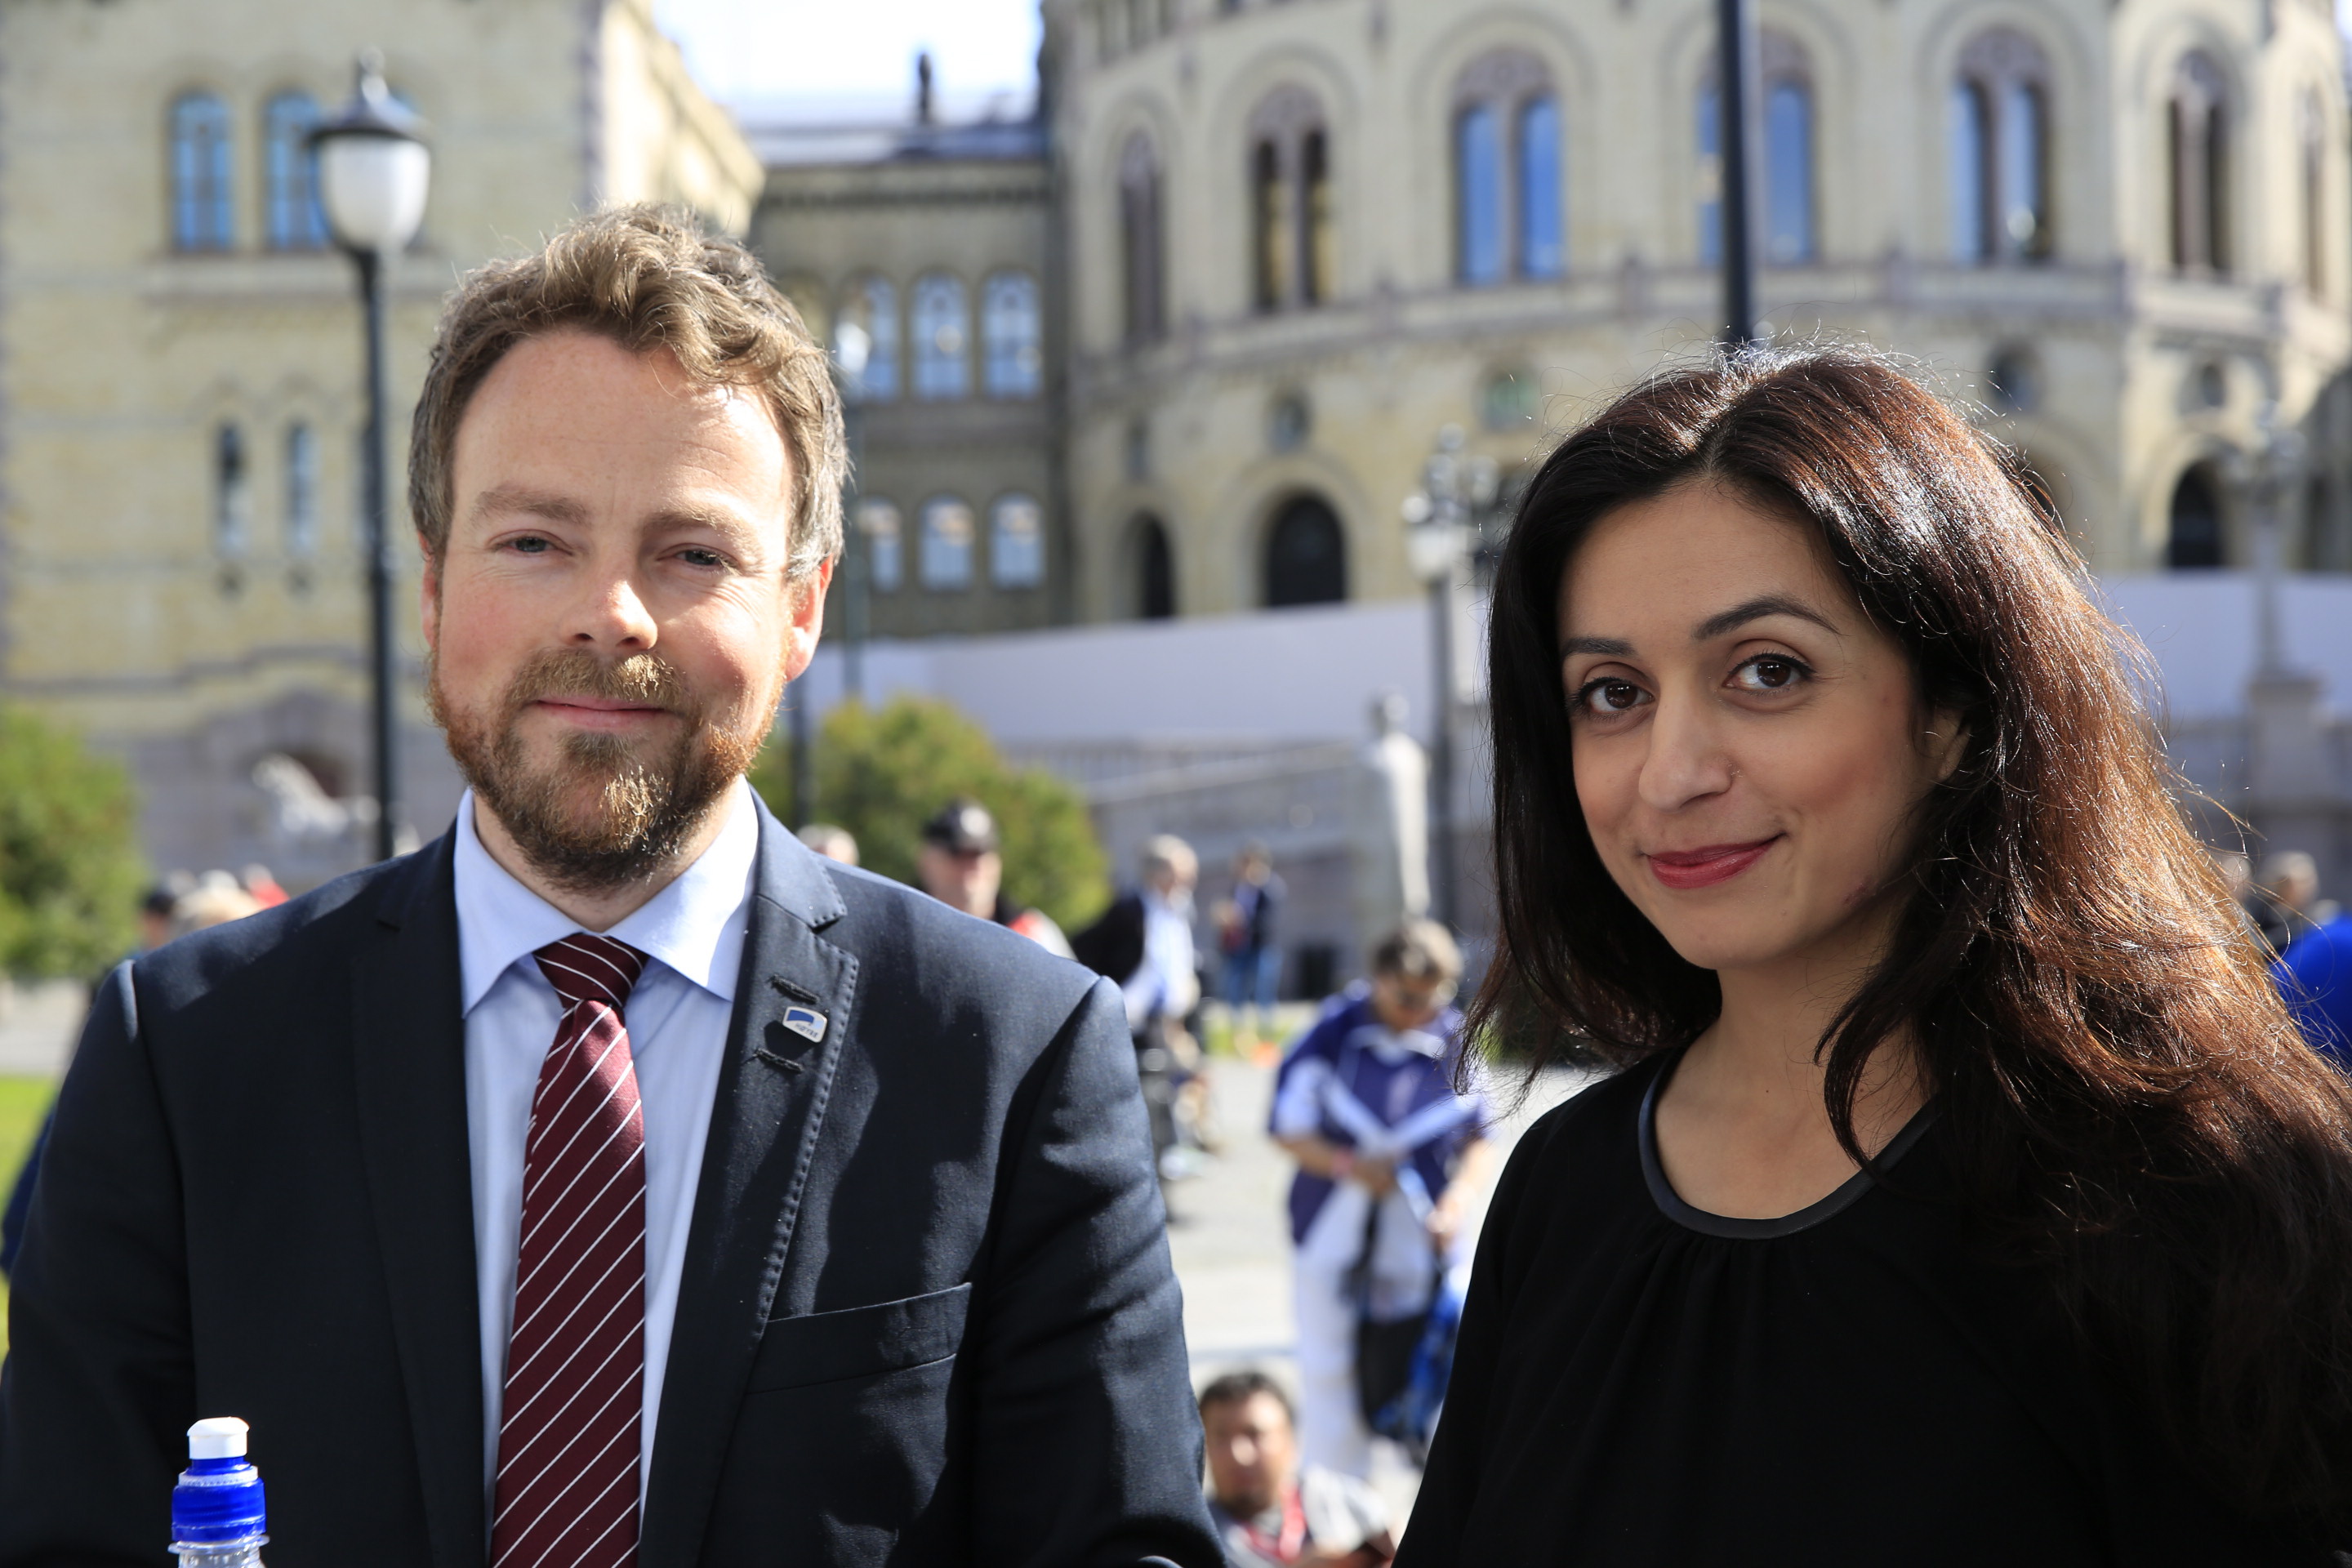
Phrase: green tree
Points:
(71, 870)
(882, 772)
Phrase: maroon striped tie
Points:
(568, 1443)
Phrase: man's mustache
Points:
(642, 679)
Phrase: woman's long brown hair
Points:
(2130, 1106)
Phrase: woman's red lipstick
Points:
(1704, 868)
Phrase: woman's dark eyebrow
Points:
(1756, 609)
(1606, 647)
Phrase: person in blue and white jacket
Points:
(1366, 1103)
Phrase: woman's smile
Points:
(1706, 865)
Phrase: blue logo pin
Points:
(806, 1022)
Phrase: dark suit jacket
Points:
(927, 1315)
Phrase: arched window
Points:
(2198, 140)
(2001, 155)
(294, 221)
(948, 533)
(301, 491)
(942, 333)
(1012, 347)
(1543, 227)
(2314, 170)
(873, 305)
(1478, 195)
(1788, 171)
(1786, 164)
(885, 560)
(2194, 541)
(1142, 253)
(1294, 243)
(202, 211)
(1306, 555)
(1154, 565)
(1506, 171)
(232, 494)
(1017, 542)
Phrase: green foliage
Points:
(881, 773)
(23, 1102)
(70, 872)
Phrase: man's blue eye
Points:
(531, 546)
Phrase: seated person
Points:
(1265, 1511)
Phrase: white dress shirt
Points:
(678, 1017)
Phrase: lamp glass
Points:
(373, 187)
(1429, 549)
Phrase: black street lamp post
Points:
(372, 170)
(1736, 105)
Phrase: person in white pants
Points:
(1390, 1154)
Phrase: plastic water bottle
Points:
(218, 1513)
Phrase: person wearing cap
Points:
(962, 863)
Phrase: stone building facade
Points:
(934, 240)
(1305, 237)
(180, 364)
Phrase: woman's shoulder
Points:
(1595, 1125)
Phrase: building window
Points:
(232, 494)
(1511, 400)
(1154, 570)
(202, 211)
(1999, 150)
(948, 532)
(1788, 172)
(294, 219)
(2198, 141)
(886, 561)
(1289, 421)
(301, 491)
(873, 305)
(1012, 351)
(1506, 171)
(1142, 253)
(1294, 242)
(2314, 170)
(1306, 555)
(942, 333)
(1017, 542)
(2015, 380)
(2194, 540)
(1785, 167)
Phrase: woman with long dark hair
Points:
(1962, 1194)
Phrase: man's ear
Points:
(428, 593)
(805, 610)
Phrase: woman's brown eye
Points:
(1619, 695)
(1770, 674)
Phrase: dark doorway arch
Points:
(1155, 570)
(1306, 555)
(2194, 540)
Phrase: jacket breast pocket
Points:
(859, 1342)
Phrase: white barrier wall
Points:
(1303, 675)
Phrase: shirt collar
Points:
(695, 925)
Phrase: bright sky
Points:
(843, 50)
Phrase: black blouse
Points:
(1641, 1383)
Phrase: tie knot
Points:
(585, 967)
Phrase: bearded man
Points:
(613, 1180)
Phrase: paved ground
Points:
(1231, 1243)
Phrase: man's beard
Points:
(645, 808)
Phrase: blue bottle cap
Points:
(219, 1496)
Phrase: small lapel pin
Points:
(806, 1022)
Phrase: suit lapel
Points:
(409, 1039)
(792, 1006)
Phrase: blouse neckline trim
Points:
(1671, 1205)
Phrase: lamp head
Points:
(374, 166)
